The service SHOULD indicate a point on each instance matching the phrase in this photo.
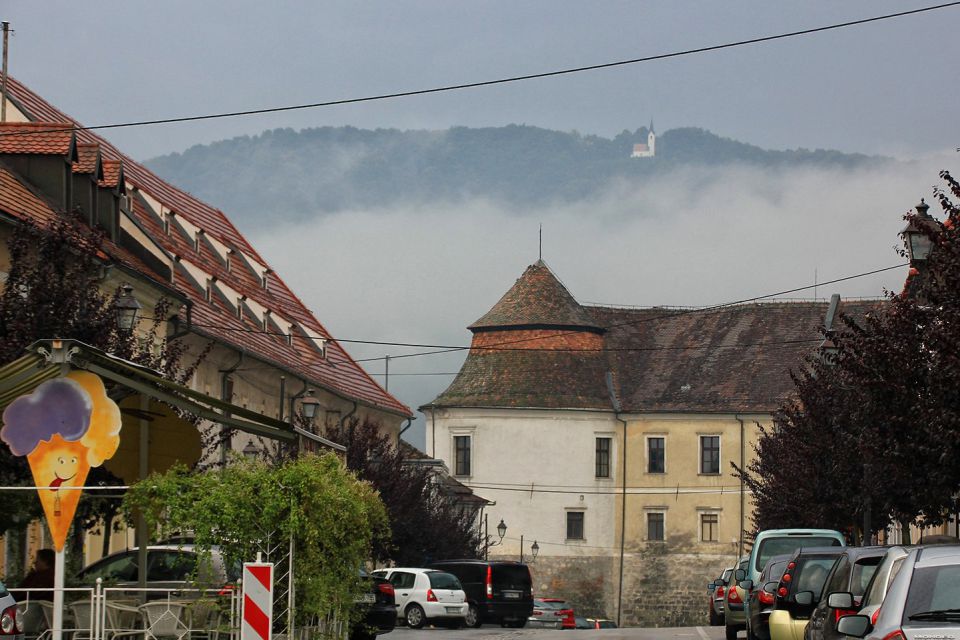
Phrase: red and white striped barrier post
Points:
(257, 609)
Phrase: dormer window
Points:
(196, 240)
(265, 278)
(228, 260)
(240, 302)
(208, 294)
(266, 320)
(167, 219)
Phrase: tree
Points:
(873, 435)
(426, 523)
(245, 507)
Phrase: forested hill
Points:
(300, 174)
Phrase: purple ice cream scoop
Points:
(58, 406)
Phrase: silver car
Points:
(881, 581)
(923, 601)
(11, 622)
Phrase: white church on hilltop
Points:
(648, 150)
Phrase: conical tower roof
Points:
(538, 300)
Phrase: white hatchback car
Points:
(427, 596)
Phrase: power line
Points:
(507, 80)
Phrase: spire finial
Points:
(540, 250)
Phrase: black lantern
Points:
(502, 529)
(915, 234)
(535, 548)
(309, 405)
(251, 451)
(127, 308)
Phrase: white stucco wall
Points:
(550, 452)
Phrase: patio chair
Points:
(82, 615)
(35, 617)
(165, 619)
(203, 618)
(122, 621)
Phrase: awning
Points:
(48, 359)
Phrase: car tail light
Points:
(766, 597)
(720, 592)
(387, 589)
(782, 592)
(896, 635)
(839, 613)
(786, 578)
(431, 596)
(8, 621)
(734, 596)
(791, 566)
(873, 618)
(489, 582)
(537, 612)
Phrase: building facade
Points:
(609, 436)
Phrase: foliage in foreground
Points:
(873, 435)
(248, 507)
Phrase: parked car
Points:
(734, 617)
(843, 591)
(553, 613)
(169, 566)
(601, 623)
(427, 596)
(498, 592)
(11, 623)
(882, 578)
(379, 608)
(763, 598)
(923, 600)
(717, 589)
(799, 591)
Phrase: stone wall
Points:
(589, 583)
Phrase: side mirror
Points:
(840, 600)
(740, 574)
(711, 586)
(746, 585)
(770, 587)
(804, 598)
(854, 626)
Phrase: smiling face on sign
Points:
(57, 464)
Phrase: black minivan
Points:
(497, 591)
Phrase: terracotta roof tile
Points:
(36, 138)
(338, 372)
(112, 170)
(87, 156)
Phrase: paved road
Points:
(490, 632)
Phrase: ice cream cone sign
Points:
(65, 427)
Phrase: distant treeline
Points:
(289, 175)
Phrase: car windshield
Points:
(811, 574)
(934, 589)
(441, 580)
(550, 606)
(788, 544)
(507, 576)
(725, 578)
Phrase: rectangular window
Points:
(709, 527)
(603, 457)
(462, 446)
(710, 454)
(656, 458)
(655, 526)
(574, 525)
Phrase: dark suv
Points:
(497, 591)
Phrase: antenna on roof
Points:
(540, 251)
(3, 82)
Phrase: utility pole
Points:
(386, 375)
(3, 83)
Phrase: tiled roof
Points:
(537, 299)
(728, 360)
(337, 372)
(87, 155)
(111, 173)
(36, 138)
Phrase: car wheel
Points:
(714, 618)
(731, 632)
(415, 616)
(517, 624)
(473, 617)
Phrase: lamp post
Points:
(127, 308)
(915, 234)
(251, 451)
(309, 405)
(501, 531)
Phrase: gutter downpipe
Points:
(293, 417)
(742, 455)
(615, 402)
(344, 417)
(408, 425)
(433, 430)
(224, 378)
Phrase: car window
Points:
(170, 566)
(770, 547)
(507, 576)
(119, 569)
(838, 581)
(380, 574)
(403, 580)
(549, 606)
(441, 580)
(863, 570)
(773, 572)
(725, 578)
(606, 624)
(933, 589)
(811, 573)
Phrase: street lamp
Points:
(501, 529)
(915, 234)
(309, 405)
(127, 308)
(251, 451)
(535, 549)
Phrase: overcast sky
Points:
(423, 275)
